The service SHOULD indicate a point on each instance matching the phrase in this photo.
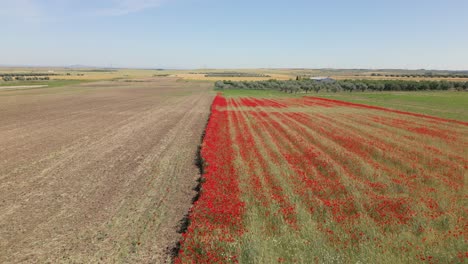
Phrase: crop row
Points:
(317, 180)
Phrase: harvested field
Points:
(98, 172)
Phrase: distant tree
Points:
(317, 87)
(306, 86)
(465, 86)
(424, 86)
(379, 87)
(361, 86)
(348, 86)
(334, 88)
(444, 85)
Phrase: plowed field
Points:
(98, 172)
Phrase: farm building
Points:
(323, 79)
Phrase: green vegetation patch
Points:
(451, 105)
(446, 104)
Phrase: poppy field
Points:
(314, 180)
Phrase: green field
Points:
(451, 105)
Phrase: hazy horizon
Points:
(79, 66)
(198, 34)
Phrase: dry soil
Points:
(98, 172)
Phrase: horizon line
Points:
(78, 66)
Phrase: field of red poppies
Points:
(301, 180)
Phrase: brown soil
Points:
(98, 172)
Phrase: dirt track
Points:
(100, 172)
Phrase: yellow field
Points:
(87, 74)
(201, 77)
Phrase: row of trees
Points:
(295, 86)
(22, 78)
(31, 74)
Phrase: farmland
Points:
(97, 74)
(307, 179)
(98, 172)
(450, 105)
(107, 171)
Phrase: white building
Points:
(322, 79)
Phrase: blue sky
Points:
(430, 34)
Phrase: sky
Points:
(409, 34)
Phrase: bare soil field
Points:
(98, 172)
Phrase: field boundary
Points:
(200, 163)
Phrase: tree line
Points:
(22, 78)
(295, 86)
(31, 74)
